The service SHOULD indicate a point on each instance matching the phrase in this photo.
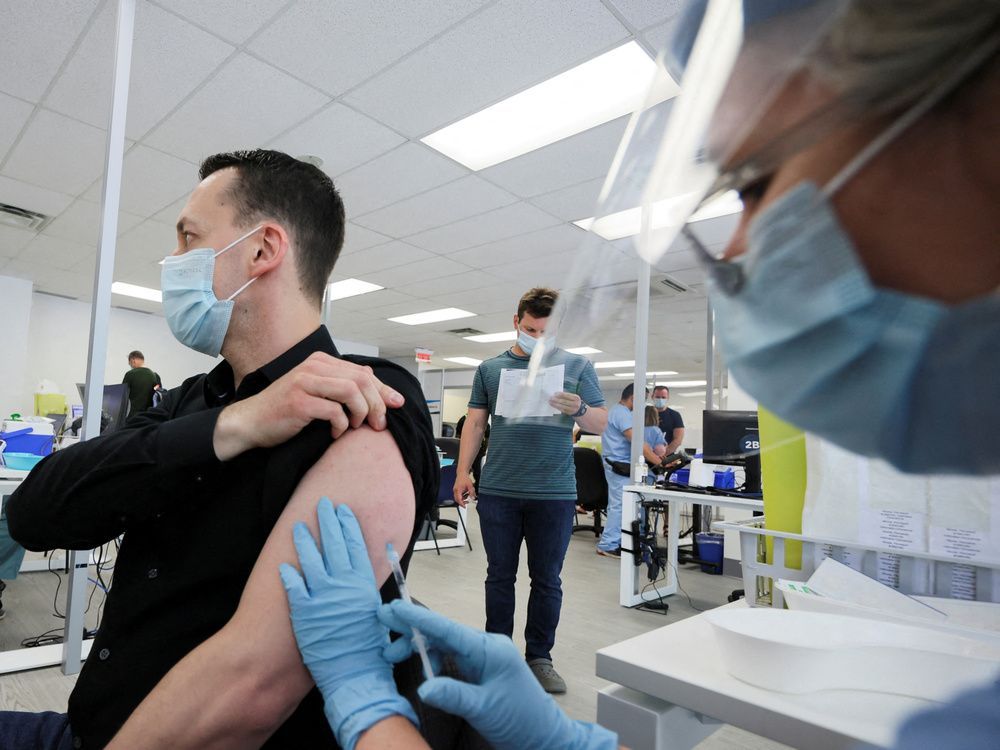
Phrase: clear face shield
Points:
(760, 81)
(674, 163)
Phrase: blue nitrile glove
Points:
(334, 618)
(501, 698)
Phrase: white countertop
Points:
(681, 664)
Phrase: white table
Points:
(673, 691)
(630, 587)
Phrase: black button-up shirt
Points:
(193, 527)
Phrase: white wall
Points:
(47, 337)
(15, 301)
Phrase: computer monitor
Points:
(732, 438)
(114, 403)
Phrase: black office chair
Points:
(448, 446)
(445, 499)
(447, 430)
(591, 487)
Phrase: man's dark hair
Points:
(274, 185)
(628, 390)
(135, 354)
(661, 388)
(537, 302)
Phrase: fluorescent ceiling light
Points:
(464, 361)
(628, 223)
(350, 288)
(131, 290)
(595, 92)
(606, 365)
(433, 316)
(489, 338)
(584, 350)
(685, 383)
(648, 374)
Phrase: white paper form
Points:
(515, 399)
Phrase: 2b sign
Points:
(750, 443)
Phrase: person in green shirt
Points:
(141, 381)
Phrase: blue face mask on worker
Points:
(196, 317)
(660, 403)
(526, 342)
(878, 372)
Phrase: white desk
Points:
(631, 585)
(673, 691)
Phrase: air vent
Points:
(465, 331)
(22, 218)
(674, 284)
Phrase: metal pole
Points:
(710, 361)
(101, 312)
(639, 379)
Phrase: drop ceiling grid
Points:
(506, 48)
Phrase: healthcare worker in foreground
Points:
(858, 300)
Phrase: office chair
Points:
(591, 487)
(448, 446)
(447, 430)
(445, 499)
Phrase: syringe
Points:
(418, 638)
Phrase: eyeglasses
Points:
(727, 276)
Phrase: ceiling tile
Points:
(442, 285)
(389, 255)
(13, 240)
(170, 58)
(342, 137)
(361, 302)
(135, 271)
(14, 114)
(643, 13)
(233, 20)
(572, 203)
(33, 198)
(496, 53)
(35, 39)
(581, 157)
(468, 196)
(515, 219)
(230, 111)
(151, 180)
(410, 169)
(55, 252)
(358, 37)
(58, 153)
(516, 250)
(150, 241)
(81, 222)
(52, 280)
(358, 238)
(429, 268)
(169, 214)
(500, 297)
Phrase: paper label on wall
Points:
(516, 399)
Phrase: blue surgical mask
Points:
(878, 372)
(526, 342)
(196, 317)
(660, 403)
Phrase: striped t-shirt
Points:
(533, 457)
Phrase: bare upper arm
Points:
(363, 468)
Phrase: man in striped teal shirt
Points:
(528, 486)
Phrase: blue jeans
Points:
(25, 730)
(545, 526)
(611, 539)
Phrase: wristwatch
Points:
(581, 411)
